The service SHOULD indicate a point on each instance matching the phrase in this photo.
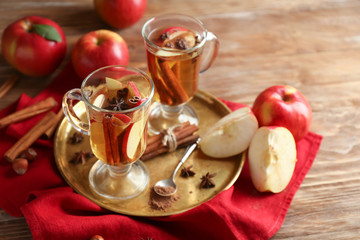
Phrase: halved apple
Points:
(272, 158)
(132, 138)
(231, 135)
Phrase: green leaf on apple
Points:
(48, 32)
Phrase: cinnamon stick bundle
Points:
(30, 137)
(184, 136)
(8, 84)
(29, 111)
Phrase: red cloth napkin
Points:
(54, 211)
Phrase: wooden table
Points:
(311, 45)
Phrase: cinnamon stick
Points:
(107, 136)
(30, 137)
(184, 136)
(173, 83)
(29, 111)
(48, 134)
(182, 143)
(180, 133)
(164, 94)
(8, 84)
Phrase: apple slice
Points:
(272, 158)
(113, 84)
(133, 91)
(99, 100)
(123, 118)
(172, 30)
(231, 135)
(132, 137)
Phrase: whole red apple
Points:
(33, 45)
(120, 13)
(97, 49)
(284, 106)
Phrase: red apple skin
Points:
(284, 106)
(120, 13)
(30, 53)
(97, 49)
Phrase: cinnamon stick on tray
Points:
(29, 111)
(184, 136)
(31, 136)
(8, 84)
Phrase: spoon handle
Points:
(185, 157)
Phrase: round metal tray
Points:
(209, 110)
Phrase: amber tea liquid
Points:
(116, 138)
(175, 73)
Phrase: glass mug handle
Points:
(68, 108)
(211, 53)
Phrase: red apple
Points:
(97, 49)
(120, 13)
(33, 45)
(284, 106)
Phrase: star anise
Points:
(81, 157)
(164, 36)
(122, 93)
(76, 138)
(187, 172)
(181, 44)
(206, 181)
(116, 104)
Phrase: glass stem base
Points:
(119, 182)
(162, 117)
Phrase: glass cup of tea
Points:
(175, 57)
(117, 101)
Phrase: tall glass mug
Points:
(174, 47)
(117, 100)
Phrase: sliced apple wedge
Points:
(133, 91)
(132, 137)
(272, 158)
(231, 135)
(123, 118)
(113, 84)
(99, 100)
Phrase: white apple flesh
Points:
(231, 135)
(113, 84)
(272, 159)
(132, 138)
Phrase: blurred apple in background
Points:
(120, 13)
(284, 106)
(33, 45)
(97, 49)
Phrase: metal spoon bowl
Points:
(167, 187)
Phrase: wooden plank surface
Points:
(311, 45)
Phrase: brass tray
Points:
(209, 110)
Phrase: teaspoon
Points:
(167, 187)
